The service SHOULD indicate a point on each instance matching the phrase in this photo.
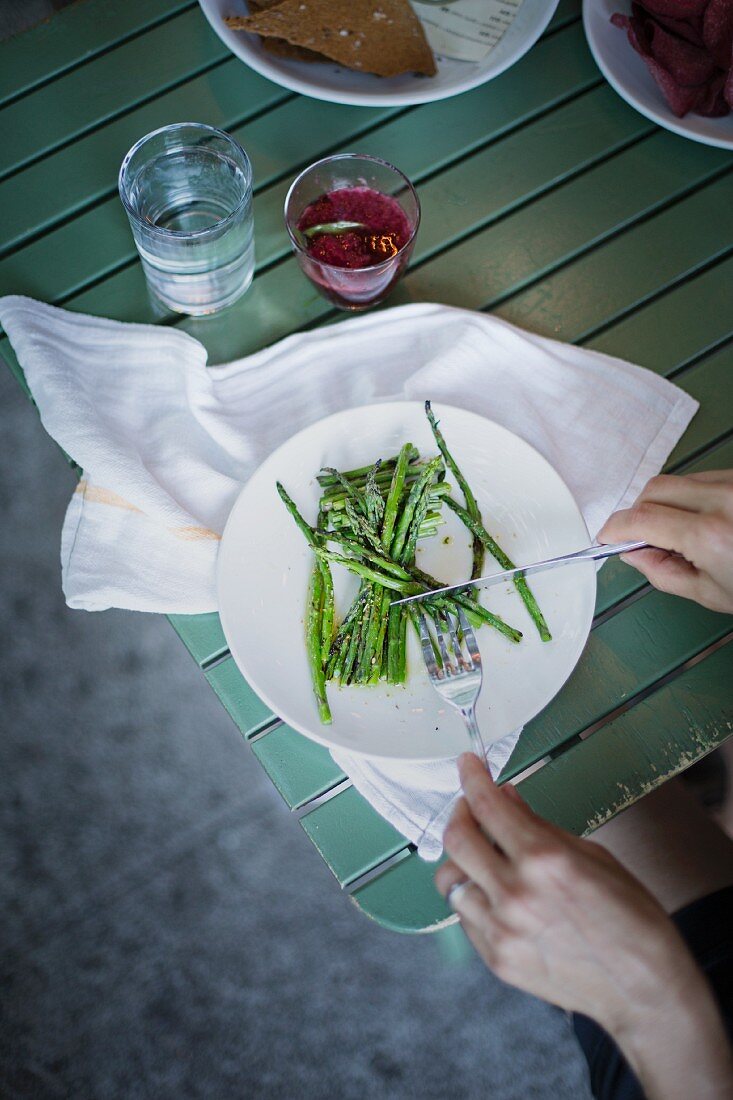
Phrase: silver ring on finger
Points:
(456, 892)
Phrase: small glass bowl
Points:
(351, 288)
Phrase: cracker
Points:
(277, 46)
(384, 37)
(280, 48)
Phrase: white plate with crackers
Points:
(325, 48)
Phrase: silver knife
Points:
(591, 553)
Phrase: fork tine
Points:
(470, 638)
(462, 660)
(445, 656)
(427, 647)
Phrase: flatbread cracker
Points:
(384, 37)
(280, 48)
(277, 46)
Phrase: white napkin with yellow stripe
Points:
(166, 442)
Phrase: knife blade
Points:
(589, 553)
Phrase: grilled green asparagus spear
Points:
(471, 504)
(327, 479)
(375, 515)
(479, 531)
(313, 644)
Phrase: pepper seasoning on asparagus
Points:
(471, 503)
(369, 522)
(471, 517)
(520, 583)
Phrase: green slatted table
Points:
(545, 200)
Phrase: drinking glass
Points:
(187, 191)
(352, 288)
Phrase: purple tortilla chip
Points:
(685, 63)
(676, 9)
(680, 99)
(717, 31)
(712, 102)
(689, 29)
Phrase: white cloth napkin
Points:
(166, 442)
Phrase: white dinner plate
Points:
(331, 82)
(627, 73)
(265, 565)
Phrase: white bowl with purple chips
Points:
(672, 60)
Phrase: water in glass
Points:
(189, 198)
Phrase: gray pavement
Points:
(166, 929)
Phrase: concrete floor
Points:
(167, 930)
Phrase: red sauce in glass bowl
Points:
(385, 231)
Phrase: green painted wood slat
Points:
(631, 756)
(73, 178)
(629, 267)
(246, 709)
(710, 382)
(404, 898)
(281, 301)
(58, 264)
(674, 328)
(615, 766)
(624, 655)
(567, 11)
(350, 835)
(71, 38)
(525, 248)
(522, 250)
(147, 66)
(300, 769)
(201, 634)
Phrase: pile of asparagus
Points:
(375, 516)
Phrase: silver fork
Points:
(458, 674)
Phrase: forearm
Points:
(562, 919)
(679, 1049)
